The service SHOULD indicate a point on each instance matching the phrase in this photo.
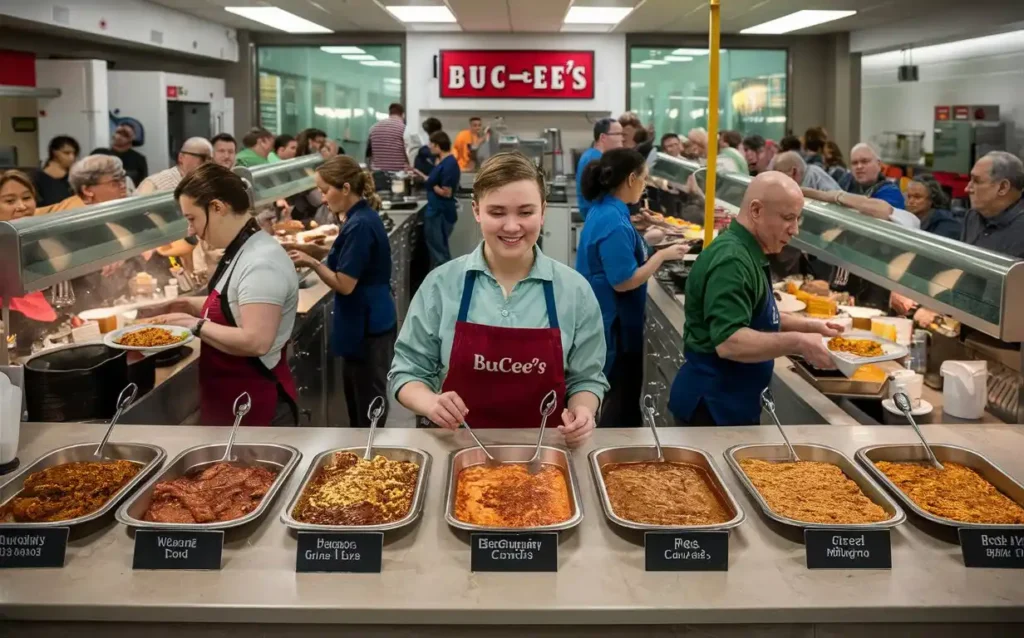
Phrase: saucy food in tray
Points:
(956, 492)
(857, 347)
(219, 493)
(812, 492)
(150, 338)
(350, 490)
(663, 493)
(67, 491)
(509, 496)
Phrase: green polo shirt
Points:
(424, 346)
(727, 284)
(248, 157)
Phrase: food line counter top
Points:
(426, 578)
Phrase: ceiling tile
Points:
(483, 15)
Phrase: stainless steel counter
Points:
(601, 579)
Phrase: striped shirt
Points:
(166, 180)
(387, 145)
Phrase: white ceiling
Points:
(650, 16)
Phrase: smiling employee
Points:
(489, 334)
(733, 330)
(613, 258)
(358, 270)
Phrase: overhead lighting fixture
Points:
(340, 50)
(435, 13)
(654, 62)
(692, 51)
(796, 21)
(638, 65)
(358, 56)
(379, 63)
(678, 58)
(596, 15)
(392, 80)
(278, 19)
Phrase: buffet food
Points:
(350, 490)
(663, 493)
(288, 227)
(150, 338)
(812, 492)
(857, 347)
(509, 496)
(221, 492)
(67, 491)
(955, 492)
(870, 373)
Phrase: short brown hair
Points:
(21, 178)
(255, 135)
(815, 138)
(212, 182)
(629, 118)
(732, 138)
(504, 169)
(396, 109)
(342, 169)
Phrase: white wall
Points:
(986, 70)
(422, 92)
(81, 110)
(131, 21)
(143, 96)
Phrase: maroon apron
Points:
(222, 376)
(502, 374)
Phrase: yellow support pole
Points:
(712, 111)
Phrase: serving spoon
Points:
(242, 406)
(647, 409)
(547, 407)
(491, 461)
(902, 402)
(768, 402)
(375, 411)
(123, 401)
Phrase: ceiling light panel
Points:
(678, 58)
(654, 62)
(596, 15)
(278, 19)
(358, 56)
(421, 14)
(639, 65)
(349, 50)
(797, 21)
(388, 63)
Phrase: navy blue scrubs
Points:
(442, 212)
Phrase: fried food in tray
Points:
(857, 347)
(812, 492)
(956, 492)
(67, 491)
(219, 493)
(150, 338)
(350, 490)
(663, 493)
(509, 496)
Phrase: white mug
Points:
(909, 384)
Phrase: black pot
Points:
(75, 383)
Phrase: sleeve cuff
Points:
(594, 387)
(400, 379)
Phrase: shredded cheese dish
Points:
(350, 490)
(150, 338)
(955, 492)
(509, 496)
(812, 492)
(858, 347)
(662, 493)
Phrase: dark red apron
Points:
(502, 374)
(222, 376)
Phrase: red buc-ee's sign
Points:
(517, 74)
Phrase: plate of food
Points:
(148, 338)
(851, 351)
(788, 303)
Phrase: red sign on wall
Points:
(517, 74)
(961, 112)
(941, 113)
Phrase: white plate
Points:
(848, 363)
(111, 338)
(789, 303)
(861, 312)
(921, 410)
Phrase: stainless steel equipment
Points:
(554, 159)
(965, 133)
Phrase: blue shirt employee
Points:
(358, 270)
(442, 208)
(613, 258)
(607, 135)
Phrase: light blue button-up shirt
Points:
(424, 346)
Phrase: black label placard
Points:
(846, 549)
(525, 552)
(1003, 548)
(39, 547)
(686, 551)
(360, 553)
(177, 549)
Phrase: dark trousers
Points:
(621, 407)
(436, 231)
(366, 379)
(701, 417)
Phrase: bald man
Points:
(191, 156)
(734, 331)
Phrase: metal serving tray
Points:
(461, 459)
(148, 456)
(392, 453)
(836, 384)
(282, 458)
(813, 452)
(954, 453)
(689, 455)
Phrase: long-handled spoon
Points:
(647, 409)
(374, 413)
(902, 402)
(547, 407)
(123, 401)
(768, 401)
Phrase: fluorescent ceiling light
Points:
(796, 21)
(437, 13)
(358, 56)
(637, 65)
(392, 80)
(654, 62)
(342, 50)
(596, 15)
(379, 63)
(692, 51)
(678, 58)
(278, 19)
